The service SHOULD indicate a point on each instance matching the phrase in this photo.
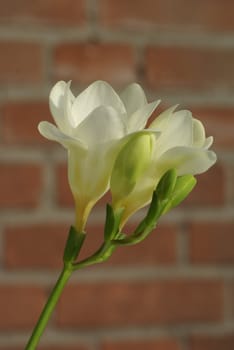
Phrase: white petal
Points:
(163, 119)
(89, 173)
(186, 160)
(177, 133)
(208, 142)
(102, 125)
(138, 120)
(56, 98)
(97, 94)
(198, 133)
(57, 103)
(67, 106)
(133, 98)
(51, 132)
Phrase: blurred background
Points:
(175, 291)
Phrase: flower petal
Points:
(102, 125)
(67, 107)
(187, 160)
(89, 173)
(141, 195)
(198, 133)
(51, 132)
(97, 94)
(59, 94)
(163, 119)
(177, 133)
(208, 142)
(133, 98)
(138, 120)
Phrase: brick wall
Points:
(175, 291)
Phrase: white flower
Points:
(93, 127)
(182, 145)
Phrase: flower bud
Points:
(130, 165)
(184, 185)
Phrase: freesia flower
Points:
(93, 127)
(181, 145)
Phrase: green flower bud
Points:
(130, 164)
(184, 185)
(166, 184)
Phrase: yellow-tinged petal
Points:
(130, 165)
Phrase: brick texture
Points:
(87, 62)
(163, 344)
(210, 189)
(231, 298)
(145, 303)
(170, 68)
(168, 15)
(20, 305)
(216, 239)
(21, 185)
(224, 342)
(49, 241)
(20, 121)
(27, 68)
(63, 193)
(52, 12)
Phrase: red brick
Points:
(209, 342)
(197, 16)
(20, 305)
(212, 243)
(49, 241)
(50, 12)
(88, 62)
(231, 183)
(63, 193)
(195, 69)
(20, 185)
(20, 121)
(129, 304)
(210, 189)
(219, 123)
(27, 68)
(161, 344)
(231, 298)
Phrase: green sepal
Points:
(154, 210)
(112, 222)
(73, 245)
(184, 185)
(166, 184)
(146, 226)
(134, 238)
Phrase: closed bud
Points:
(166, 184)
(130, 165)
(184, 185)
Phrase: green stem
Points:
(49, 307)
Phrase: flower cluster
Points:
(109, 146)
